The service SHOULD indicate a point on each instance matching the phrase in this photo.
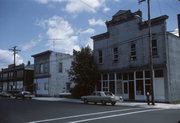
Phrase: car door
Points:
(91, 97)
(99, 97)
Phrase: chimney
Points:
(29, 63)
(179, 23)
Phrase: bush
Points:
(79, 91)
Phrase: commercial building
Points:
(17, 78)
(122, 56)
(51, 73)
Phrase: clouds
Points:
(78, 6)
(6, 58)
(66, 37)
(48, 1)
(31, 44)
(61, 33)
(175, 32)
(88, 31)
(96, 22)
(106, 9)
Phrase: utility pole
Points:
(15, 51)
(150, 52)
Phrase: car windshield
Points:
(108, 94)
(25, 92)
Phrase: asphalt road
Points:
(33, 111)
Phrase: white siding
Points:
(40, 86)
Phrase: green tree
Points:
(83, 72)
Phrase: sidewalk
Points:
(124, 103)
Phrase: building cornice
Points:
(154, 21)
(100, 36)
(48, 52)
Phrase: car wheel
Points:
(95, 103)
(113, 103)
(103, 102)
(85, 101)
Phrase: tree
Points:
(83, 72)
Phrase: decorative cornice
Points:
(48, 52)
(154, 21)
(100, 36)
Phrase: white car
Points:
(102, 97)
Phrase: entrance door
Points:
(131, 90)
(112, 86)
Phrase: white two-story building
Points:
(51, 73)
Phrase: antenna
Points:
(54, 42)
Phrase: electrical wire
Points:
(159, 7)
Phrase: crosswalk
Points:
(80, 118)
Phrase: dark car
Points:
(5, 94)
(24, 94)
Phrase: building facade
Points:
(17, 78)
(51, 72)
(122, 56)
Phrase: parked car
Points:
(5, 94)
(24, 94)
(102, 97)
(65, 94)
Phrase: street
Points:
(34, 111)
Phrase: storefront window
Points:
(112, 87)
(119, 87)
(105, 85)
(118, 76)
(147, 74)
(111, 76)
(139, 74)
(131, 76)
(125, 76)
(104, 76)
(139, 87)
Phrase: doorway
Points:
(131, 90)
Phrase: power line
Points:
(106, 15)
(159, 7)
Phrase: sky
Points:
(35, 26)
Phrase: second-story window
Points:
(60, 70)
(46, 67)
(133, 52)
(115, 54)
(100, 54)
(36, 68)
(41, 68)
(154, 47)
